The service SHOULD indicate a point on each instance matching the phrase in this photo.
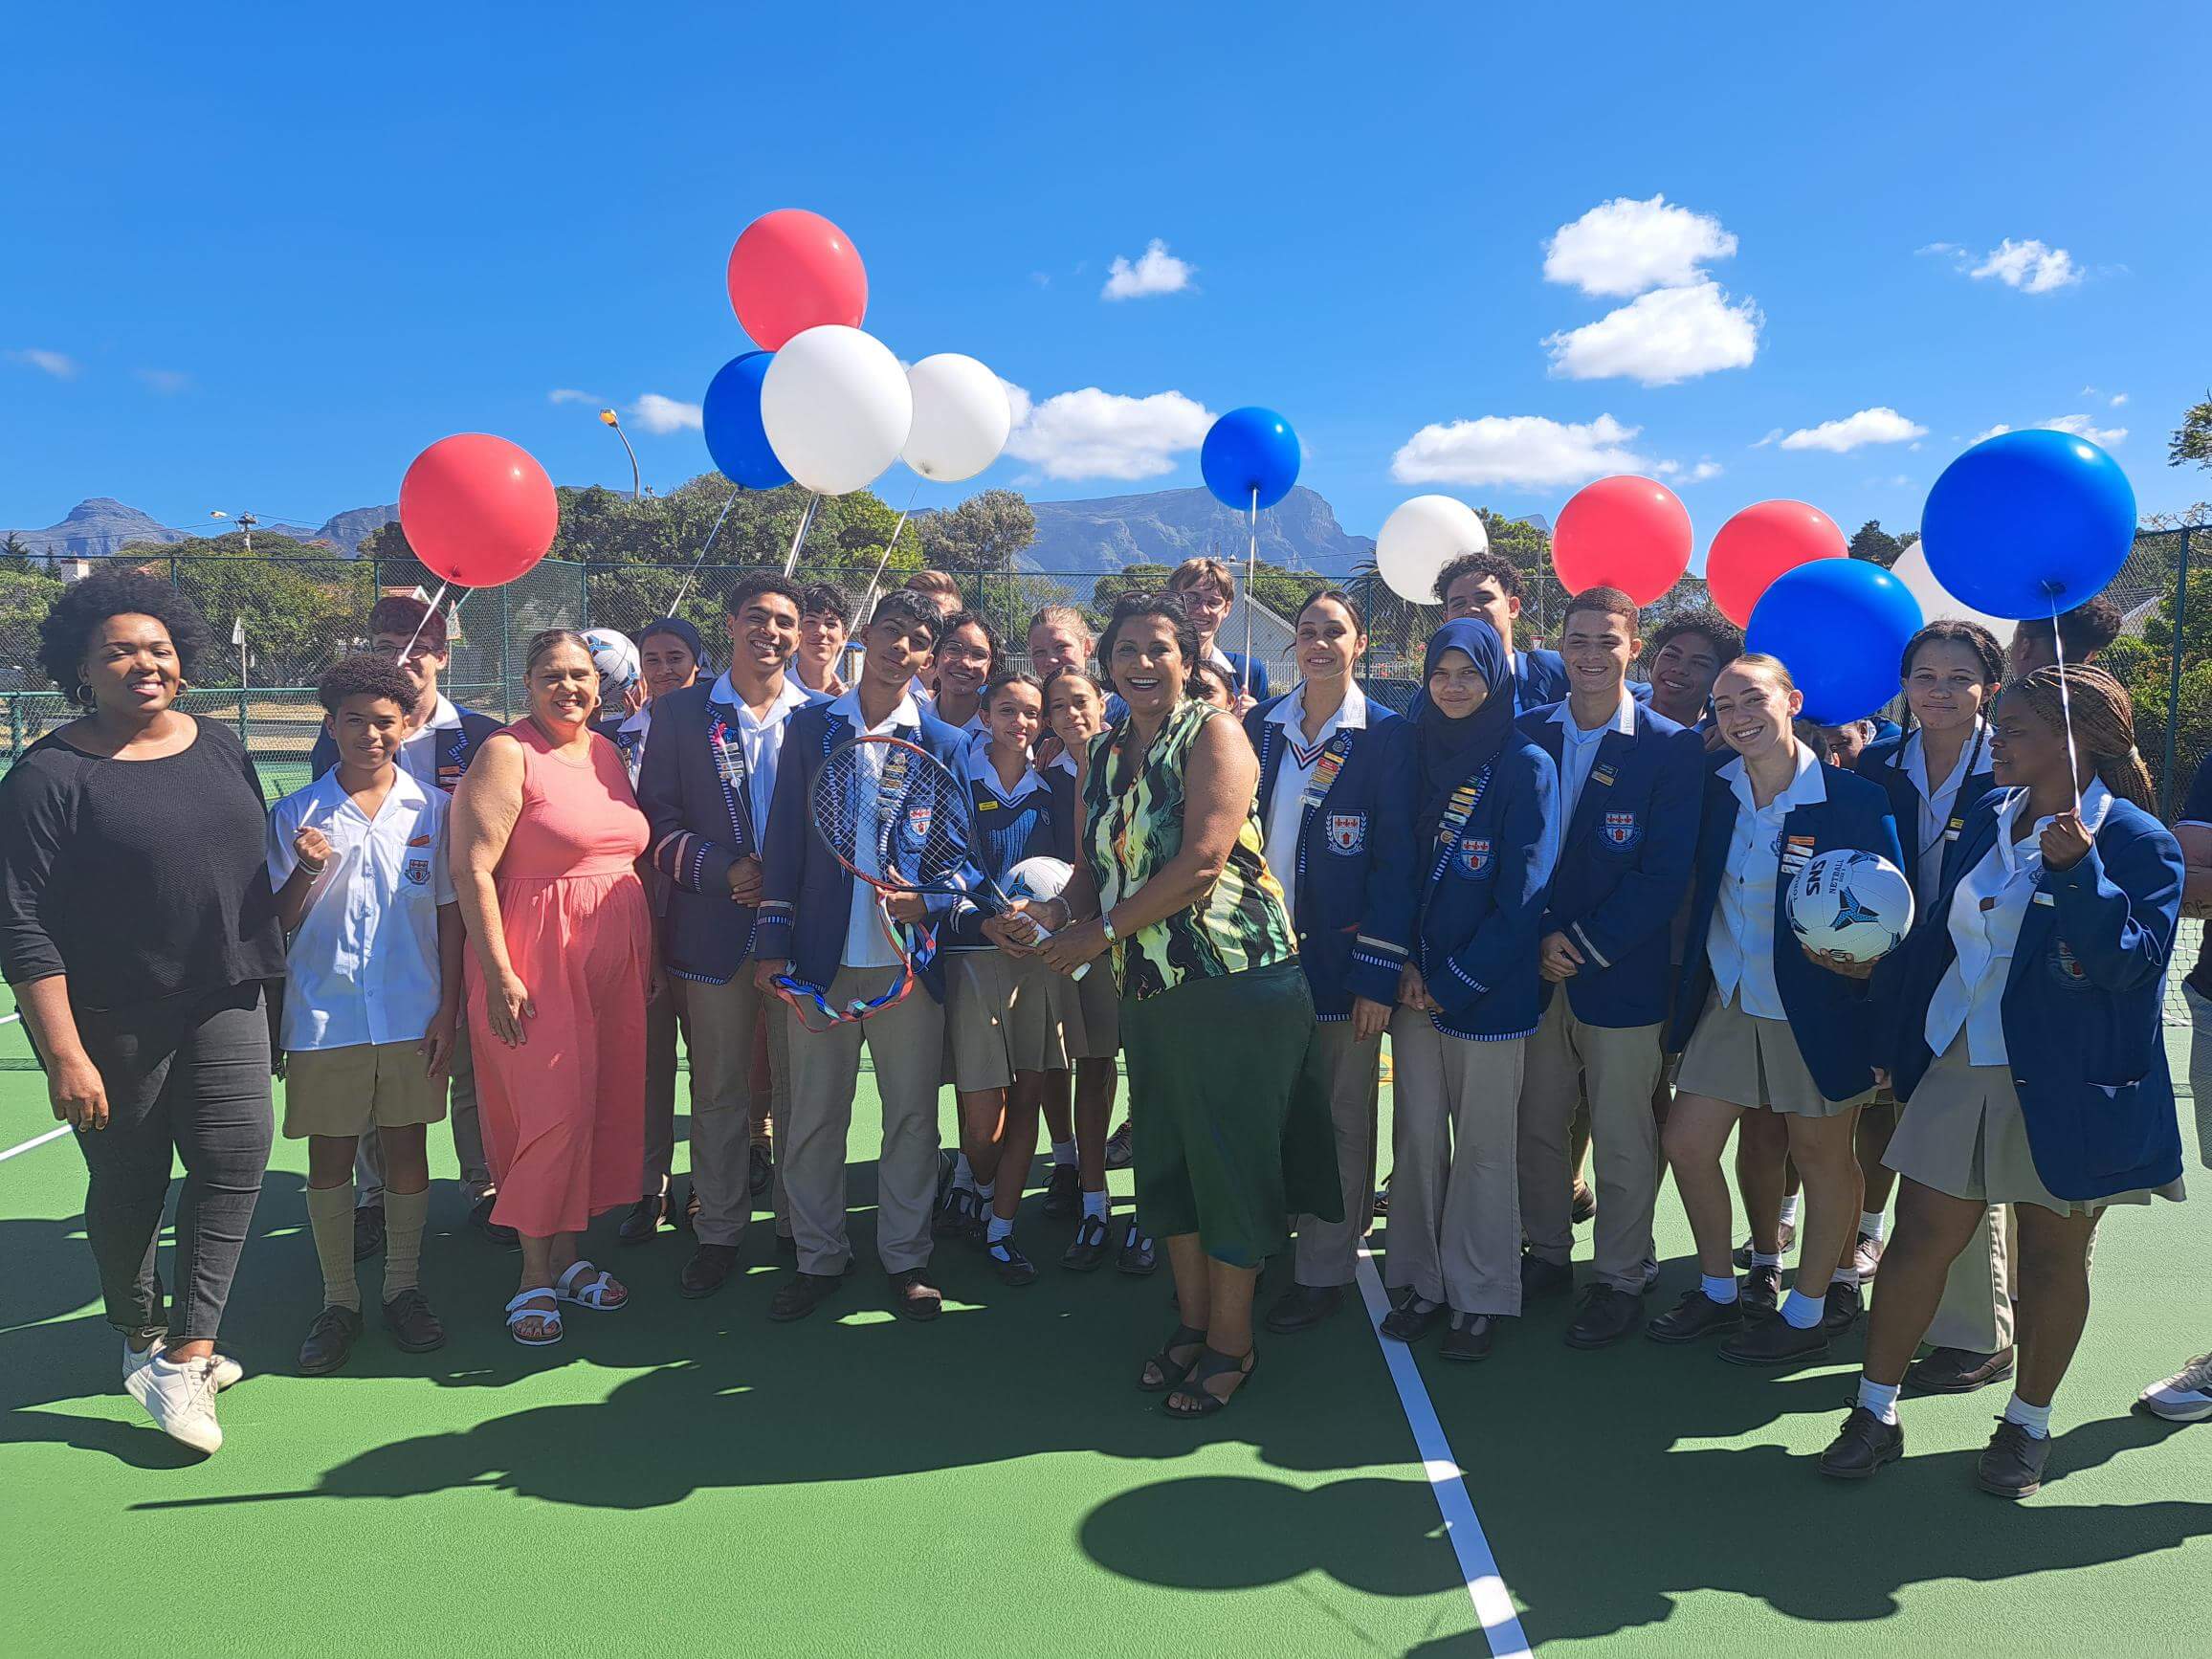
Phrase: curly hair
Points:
(366, 673)
(1492, 566)
(66, 630)
(2103, 719)
(1725, 637)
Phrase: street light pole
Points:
(636, 485)
(245, 521)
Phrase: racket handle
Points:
(1044, 933)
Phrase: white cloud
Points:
(661, 415)
(1668, 335)
(168, 381)
(1774, 435)
(568, 395)
(1988, 432)
(2031, 266)
(2118, 398)
(60, 365)
(1881, 425)
(2079, 426)
(1703, 470)
(1101, 434)
(1623, 246)
(1529, 450)
(1154, 270)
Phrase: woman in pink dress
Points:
(545, 832)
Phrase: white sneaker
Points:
(2185, 1397)
(228, 1371)
(181, 1400)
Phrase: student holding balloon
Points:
(2027, 1046)
(1207, 590)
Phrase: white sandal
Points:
(549, 1317)
(593, 1295)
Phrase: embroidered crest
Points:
(1347, 832)
(2066, 967)
(418, 871)
(917, 818)
(1474, 855)
(1621, 830)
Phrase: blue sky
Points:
(260, 255)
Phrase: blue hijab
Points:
(1453, 751)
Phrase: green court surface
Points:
(687, 1476)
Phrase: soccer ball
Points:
(1854, 904)
(616, 660)
(1037, 879)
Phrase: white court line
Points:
(36, 1141)
(1485, 1588)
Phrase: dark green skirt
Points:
(1230, 1105)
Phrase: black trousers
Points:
(187, 1079)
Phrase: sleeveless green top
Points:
(1133, 824)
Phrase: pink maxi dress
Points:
(563, 1114)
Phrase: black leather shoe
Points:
(759, 1169)
(802, 1293)
(2012, 1463)
(480, 1218)
(412, 1325)
(1956, 1371)
(786, 1245)
(1695, 1316)
(709, 1265)
(1088, 1251)
(1139, 1252)
(1470, 1336)
(1770, 1339)
(367, 1230)
(643, 1220)
(954, 1211)
(1007, 1261)
(1302, 1307)
(1408, 1323)
(1762, 1289)
(1584, 1204)
(1842, 1313)
(1064, 1192)
(1541, 1279)
(329, 1340)
(1784, 1239)
(1606, 1316)
(1862, 1446)
(1121, 1146)
(914, 1297)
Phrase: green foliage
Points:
(985, 532)
(2193, 438)
(1876, 545)
(302, 605)
(25, 593)
(1129, 579)
(2145, 666)
(14, 552)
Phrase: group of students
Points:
(1563, 892)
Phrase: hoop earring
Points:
(82, 695)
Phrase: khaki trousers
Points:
(907, 1043)
(1455, 1228)
(721, 1021)
(468, 1135)
(1327, 1251)
(1618, 1068)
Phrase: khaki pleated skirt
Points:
(1094, 1025)
(1750, 1062)
(1004, 1015)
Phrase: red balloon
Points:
(1758, 545)
(1622, 532)
(791, 271)
(478, 509)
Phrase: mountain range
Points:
(101, 524)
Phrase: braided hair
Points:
(2104, 724)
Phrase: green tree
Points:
(25, 595)
(14, 552)
(1875, 545)
(2193, 438)
(301, 605)
(1129, 579)
(984, 533)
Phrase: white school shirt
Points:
(1286, 814)
(640, 722)
(1987, 908)
(1579, 750)
(1739, 942)
(981, 769)
(761, 740)
(1935, 804)
(867, 942)
(418, 751)
(364, 965)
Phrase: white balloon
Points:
(962, 418)
(836, 408)
(1912, 569)
(1421, 538)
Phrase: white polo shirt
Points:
(1987, 909)
(1286, 807)
(364, 965)
(867, 942)
(1739, 942)
(761, 739)
(1579, 749)
(1936, 802)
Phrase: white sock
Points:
(1803, 1311)
(1000, 1228)
(1879, 1398)
(986, 1190)
(1062, 1152)
(1760, 1259)
(2035, 1419)
(1095, 1204)
(1846, 1276)
(1719, 1290)
(1789, 1208)
(964, 1177)
(1871, 1224)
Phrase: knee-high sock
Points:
(330, 1217)
(404, 1216)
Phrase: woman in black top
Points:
(138, 929)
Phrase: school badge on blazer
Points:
(1347, 832)
(1621, 830)
(2065, 967)
(1474, 855)
(917, 819)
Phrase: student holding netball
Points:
(1336, 798)
(2023, 1019)
(1764, 1027)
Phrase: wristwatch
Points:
(1106, 924)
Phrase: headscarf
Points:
(1453, 751)
(681, 629)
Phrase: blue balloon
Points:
(1840, 626)
(2028, 522)
(1246, 449)
(731, 415)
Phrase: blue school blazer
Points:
(1882, 763)
(1236, 668)
(1623, 865)
(1480, 901)
(457, 748)
(1355, 861)
(1831, 1017)
(806, 894)
(1006, 832)
(2083, 1002)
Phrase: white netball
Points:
(1857, 905)
(1037, 879)
(615, 658)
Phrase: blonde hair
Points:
(1760, 662)
(1064, 615)
(2103, 724)
(1192, 571)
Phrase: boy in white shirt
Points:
(372, 995)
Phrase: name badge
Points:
(2042, 898)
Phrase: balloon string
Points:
(1251, 572)
(868, 598)
(428, 611)
(806, 519)
(2073, 774)
(685, 587)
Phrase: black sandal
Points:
(1212, 1363)
(1171, 1371)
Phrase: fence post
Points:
(2174, 683)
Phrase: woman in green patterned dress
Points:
(1216, 1020)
